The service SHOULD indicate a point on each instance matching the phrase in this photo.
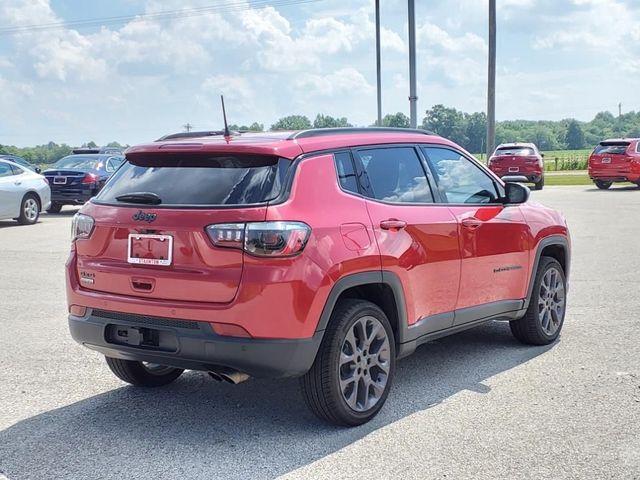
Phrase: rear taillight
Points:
(81, 226)
(90, 178)
(262, 239)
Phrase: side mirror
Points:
(515, 193)
(38, 170)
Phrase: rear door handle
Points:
(471, 223)
(392, 224)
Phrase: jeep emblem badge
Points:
(144, 217)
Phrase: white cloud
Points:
(346, 80)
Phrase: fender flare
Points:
(552, 240)
(387, 278)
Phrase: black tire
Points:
(54, 208)
(539, 185)
(530, 328)
(29, 209)
(602, 185)
(142, 375)
(321, 387)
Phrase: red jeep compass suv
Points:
(325, 254)
(518, 159)
(615, 160)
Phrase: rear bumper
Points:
(624, 174)
(194, 345)
(72, 198)
(533, 177)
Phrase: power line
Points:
(226, 7)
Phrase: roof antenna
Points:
(227, 133)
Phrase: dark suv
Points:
(325, 254)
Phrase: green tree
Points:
(327, 121)
(256, 127)
(446, 122)
(574, 138)
(476, 132)
(292, 122)
(397, 120)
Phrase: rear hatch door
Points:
(515, 159)
(161, 250)
(611, 156)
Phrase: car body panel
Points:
(508, 160)
(615, 160)
(439, 273)
(13, 189)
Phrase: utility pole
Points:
(619, 109)
(413, 97)
(491, 88)
(187, 127)
(378, 69)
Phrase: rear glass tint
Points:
(184, 180)
(77, 161)
(518, 151)
(617, 148)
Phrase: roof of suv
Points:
(287, 144)
(516, 145)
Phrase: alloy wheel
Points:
(551, 301)
(365, 360)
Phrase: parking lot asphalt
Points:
(474, 405)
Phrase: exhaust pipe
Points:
(228, 375)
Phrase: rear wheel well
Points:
(380, 294)
(558, 252)
(34, 195)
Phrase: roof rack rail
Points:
(209, 133)
(320, 132)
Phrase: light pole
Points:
(491, 88)
(378, 71)
(413, 97)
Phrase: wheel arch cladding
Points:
(556, 247)
(380, 288)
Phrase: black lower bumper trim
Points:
(201, 349)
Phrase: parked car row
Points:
(25, 191)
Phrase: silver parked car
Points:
(23, 193)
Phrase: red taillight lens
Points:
(90, 178)
(262, 239)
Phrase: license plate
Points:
(147, 249)
(606, 160)
(514, 169)
(59, 180)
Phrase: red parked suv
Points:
(518, 159)
(615, 160)
(325, 254)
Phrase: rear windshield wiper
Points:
(140, 197)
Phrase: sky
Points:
(134, 76)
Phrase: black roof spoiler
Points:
(321, 132)
(208, 133)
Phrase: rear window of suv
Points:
(517, 151)
(617, 148)
(183, 180)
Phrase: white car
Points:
(23, 193)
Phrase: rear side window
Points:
(395, 175)
(618, 148)
(197, 180)
(346, 172)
